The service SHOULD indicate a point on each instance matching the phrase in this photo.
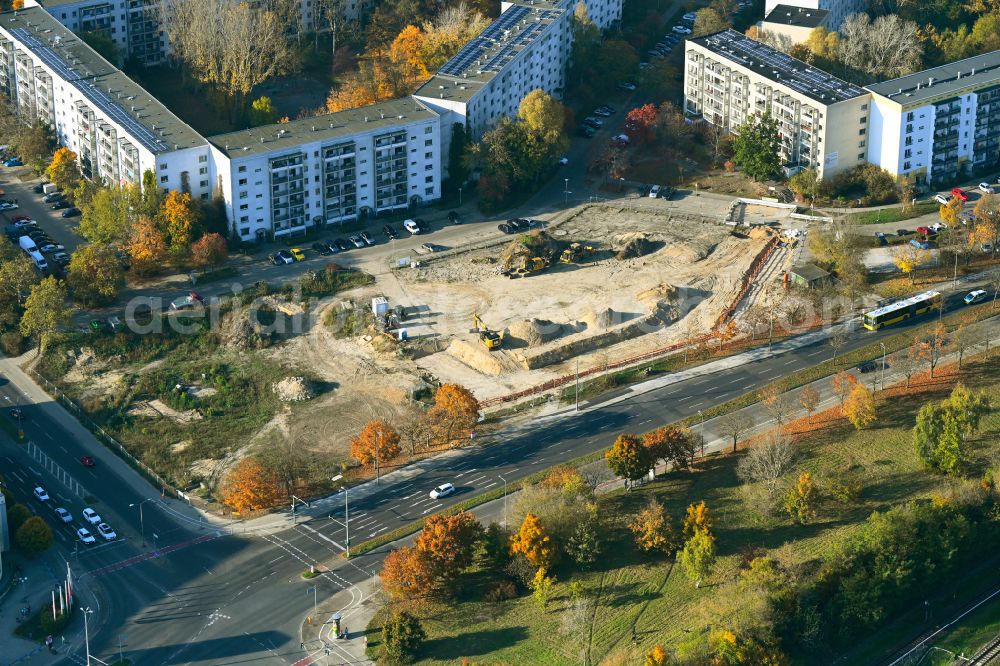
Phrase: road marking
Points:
(381, 529)
(35, 471)
(279, 557)
(738, 379)
(18, 477)
(696, 405)
(323, 536)
(210, 572)
(489, 485)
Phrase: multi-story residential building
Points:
(940, 123)
(117, 129)
(823, 120)
(280, 179)
(839, 9)
(787, 24)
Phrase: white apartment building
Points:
(134, 25)
(788, 24)
(839, 9)
(280, 179)
(117, 129)
(940, 123)
(823, 120)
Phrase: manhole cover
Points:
(559, 232)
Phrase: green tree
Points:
(95, 275)
(942, 428)
(802, 499)
(756, 147)
(109, 216)
(698, 556)
(402, 635)
(45, 311)
(586, 41)
(805, 184)
(17, 515)
(584, 545)
(986, 32)
(34, 144)
(458, 169)
(615, 61)
(262, 112)
(17, 274)
(628, 458)
(102, 42)
(34, 536)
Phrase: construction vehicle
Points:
(488, 337)
(576, 252)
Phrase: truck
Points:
(49, 188)
(27, 244)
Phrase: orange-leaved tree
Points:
(859, 408)
(843, 383)
(566, 478)
(250, 486)
(181, 219)
(698, 518)
(209, 250)
(454, 413)
(653, 530)
(407, 51)
(63, 171)
(147, 247)
(407, 573)
(377, 442)
(450, 543)
(628, 458)
(657, 657)
(670, 444)
(534, 543)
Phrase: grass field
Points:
(631, 590)
(975, 630)
(893, 214)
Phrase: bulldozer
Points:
(488, 337)
(576, 252)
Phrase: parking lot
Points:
(60, 230)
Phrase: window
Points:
(202, 171)
(203, 183)
(244, 207)
(244, 219)
(906, 166)
(864, 119)
(907, 154)
(244, 231)
(429, 191)
(164, 179)
(242, 169)
(428, 129)
(428, 156)
(909, 117)
(163, 167)
(428, 167)
(243, 195)
(242, 181)
(861, 144)
(429, 142)
(864, 107)
(861, 156)
(202, 159)
(861, 131)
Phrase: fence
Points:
(107, 439)
(746, 280)
(56, 470)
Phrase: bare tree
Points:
(736, 425)
(809, 399)
(886, 47)
(838, 340)
(767, 461)
(776, 402)
(966, 335)
(331, 14)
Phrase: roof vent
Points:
(930, 80)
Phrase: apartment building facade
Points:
(838, 9)
(823, 120)
(282, 179)
(939, 124)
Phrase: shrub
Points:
(502, 591)
(11, 343)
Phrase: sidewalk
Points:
(38, 579)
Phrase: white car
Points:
(105, 531)
(411, 226)
(654, 191)
(976, 296)
(563, 161)
(8, 206)
(938, 226)
(690, 16)
(941, 199)
(682, 30)
(985, 188)
(41, 495)
(91, 516)
(64, 515)
(443, 490)
(625, 85)
(356, 240)
(85, 536)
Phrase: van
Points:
(411, 226)
(49, 188)
(27, 244)
(39, 260)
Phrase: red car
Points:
(960, 193)
(18, 218)
(925, 231)
(87, 461)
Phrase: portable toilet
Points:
(380, 305)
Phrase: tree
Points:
(584, 545)
(641, 124)
(34, 144)
(17, 275)
(805, 184)
(408, 573)
(802, 499)
(859, 408)
(837, 340)
(104, 44)
(376, 443)
(823, 43)
(966, 335)
(951, 212)
(756, 147)
(544, 117)
(931, 345)
(698, 556)
(401, 637)
(707, 21)
(628, 458)
(180, 217)
(652, 529)
(767, 461)
(809, 399)
(209, 251)
(95, 275)
(45, 311)
(109, 214)
(698, 517)
(17, 514)
(670, 444)
(736, 425)
(454, 414)
(656, 657)
(63, 171)
(34, 536)
(887, 47)
(450, 543)
(262, 112)
(541, 587)
(843, 383)
(776, 402)
(986, 32)
(534, 543)
(250, 486)
(147, 247)
(942, 428)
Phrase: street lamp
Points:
(142, 525)
(86, 631)
(300, 501)
(701, 431)
(882, 380)
(566, 190)
(577, 391)
(459, 197)
(504, 499)
(347, 518)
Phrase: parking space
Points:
(55, 236)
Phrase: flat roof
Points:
(105, 88)
(449, 89)
(281, 136)
(802, 17)
(809, 272)
(780, 67)
(979, 71)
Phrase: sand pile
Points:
(760, 233)
(475, 356)
(660, 296)
(293, 389)
(533, 332)
(535, 244)
(598, 320)
(632, 245)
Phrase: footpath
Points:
(28, 586)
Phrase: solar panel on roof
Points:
(478, 48)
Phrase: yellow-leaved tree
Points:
(534, 543)
(63, 170)
(859, 408)
(180, 218)
(250, 486)
(147, 247)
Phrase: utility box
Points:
(380, 305)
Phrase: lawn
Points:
(893, 214)
(973, 632)
(650, 594)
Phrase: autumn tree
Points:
(887, 47)
(408, 573)
(708, 20)
(402, 635)
(454, 413)
(95, 275)
(908, 258)
(17, 274)
(180, 218)
(802, 499)
(656, 657)
(541, 586)
(809, 399)
(262, 112)
(843, 383)
(652, 529)
(534, 543)
(628, 458)
(209, 251)
(776, 402)
(670, 444)
(951, 212)
(859, 408)
(63, 171)
(641, 124)
(147, 247)
(450, 543)
(407, 51)
(767, 461)
(250, 486)
(698, 517)
(736, 425)
(34, 536)
(45, 311)
(544, 120)
(376, 443)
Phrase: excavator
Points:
(576, 252)
(491, 339)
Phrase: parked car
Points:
(366, 237)
(942, 199)
(39, 188)
(70, 212)
(603, 113)
(593, 122)
(586, 131)
(871, 366)
(51, 247)
(506, 228)
(105, 531)
(64, 515)
(454, 217)
(13, 162)
(520, 223)
(297, 254)
(85, 536)
(282, 257)
(24, 223)
(923, 245)
(880, 238)
(443, 490)
(356, 240)
(976, 296)
(654, 192)
(61, 258)
(627, 85)
(987, 248)
(925, 231)
(960, 193)
(690, 17)
(343, 245)
(60, 204)
(682, 30)
(87, 461)
(985, 188)
(430, 247)
(322, 248)
(411, 226)
(389, 232)
(8, 205)
(40, 494)
(52, 197)
(607, 107)
(644, 65)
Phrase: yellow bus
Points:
(901, 310)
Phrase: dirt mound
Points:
(760, 233)
(632, 245)
(660, 295)
(475, 356)
(293, 389)
(516, 255)
(598, 320)
(533, 332)
(239, 332)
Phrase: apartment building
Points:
(787, 24)
(117, 129)
(823, 120)
(938, 124)
(281, 179)
(838, 9)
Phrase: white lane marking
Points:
(489, 485)
(17, 476)
(65, 450)
(323, 536)
(35, 471)
(381, 529)
(279, 557)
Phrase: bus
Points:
(901, 310)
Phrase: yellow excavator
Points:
(576, 252)
(491, 339)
